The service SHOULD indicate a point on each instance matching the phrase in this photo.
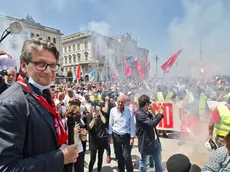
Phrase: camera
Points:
(79, 122)
(3, 73)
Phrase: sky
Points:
(161, 26)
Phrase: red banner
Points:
(168, 121)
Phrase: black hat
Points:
(178, 163)
(94, 104)
(75, 102)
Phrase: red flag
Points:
(128, 71)
(148, 64)
(114, 76)
(78, 72)
(169, 63)
(139, 69)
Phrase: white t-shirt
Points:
(77, 141)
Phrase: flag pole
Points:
(156, 59)
(176, 67)
(201, 50)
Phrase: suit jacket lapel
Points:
(45, 114)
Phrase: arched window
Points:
(70, 59)
(49, 38)
(54, 40)
(78, 57)
(66, 60)
(31, 35)
(74, 58)
(86, 56)
(37, 35)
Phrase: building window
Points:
(66, 69)
(78, 57)
(65, 49)
(86, 45)
(37, 35)
(54, 40)
(70, 69)
(70, 59)
(65, 59)
(78, 47)
(49, 38)
(69, 48)
(74, 68)
(86, 56)
(74, 47)
(31, 35)
(74, 58)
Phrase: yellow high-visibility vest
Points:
(135, 99)
(93, 98)
(99, 98)
(169, 96)
(223, 127)
(202, 104)
(191, 98)
(160, 96)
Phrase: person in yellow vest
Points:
(160, 95)
(171, 94)
(220, 123)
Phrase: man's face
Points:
(121, 102)
(47, 76)
(11, 75)
(61, 96)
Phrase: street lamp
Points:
(14, 28)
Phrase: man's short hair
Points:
(178, 163)
(31, 45)
(75, 102)
(143, 100)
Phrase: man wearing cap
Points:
(220, 122)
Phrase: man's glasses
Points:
(41, 66)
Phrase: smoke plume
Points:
(104, 46)
(205, 24)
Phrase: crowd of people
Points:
(36, 115)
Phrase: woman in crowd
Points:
(219, 161)
(96, 124)
(79, 132)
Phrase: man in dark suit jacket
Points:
(31, 135)
(148, 141)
